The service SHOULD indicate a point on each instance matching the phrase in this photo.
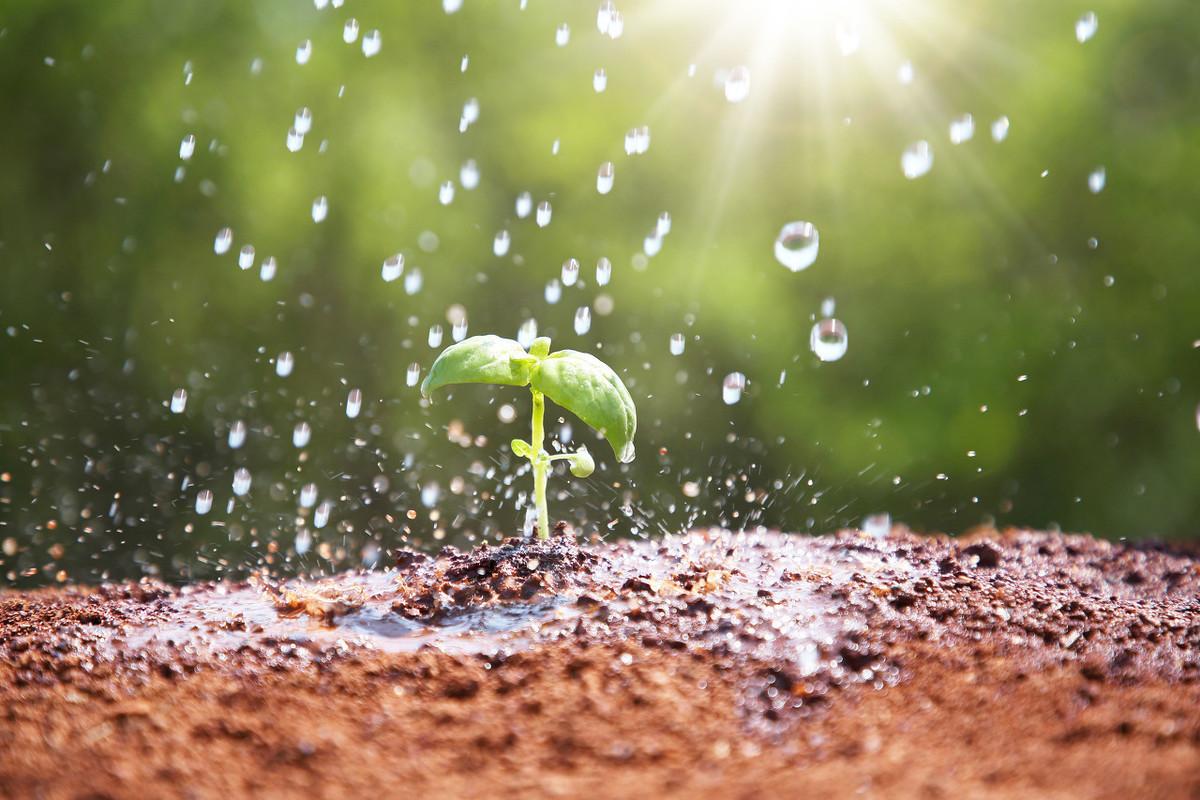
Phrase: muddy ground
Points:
(722, 665)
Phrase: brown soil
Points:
(713, 665)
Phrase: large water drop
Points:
(829, 340)
(797, 245)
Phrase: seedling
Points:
(579, 382)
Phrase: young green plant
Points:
(579, 382)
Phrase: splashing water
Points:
(797, 245)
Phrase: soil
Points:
(1014, 664)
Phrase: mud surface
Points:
(712, 665)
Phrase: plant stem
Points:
(541, 464)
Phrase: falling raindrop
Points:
(603, 271)
(458, 331)
(393, 267)
(295, 140)
(828, 305)
(828, 339)
(223, 242)
(435, 336)
(663, 226)
(604, 178)
(524, 204)
(372, 43)
(916, 160)
(451, 6)
(350, 31)
(616, 25)
(562, 35)
(570, 272)
(237, 435)
(304, 52)
(204, 501)
(301, 434)
(677, 344)
(241, 481)
(320, 209)
(501, 242)
(544, 212)
(737, 84)
(797, 245)
(187, 147)
(353, 403)
(284, 363)
(641, 139)
(246, 257)
(583, 320)
(320, 520)
(430, 493)
(652, 244)
(600, 80)
(877, 525)
(303, 121)
(470, 112)
(267, 271)
(468, 174)
(527, 333)
(1086, 27)
(446, 193)
(962, 129)
(553, 291)
(413, 375)
(178, 401)
(1000, 129)
(1096, 180)
(732, 388)
(413, 281)
(308, 495)
(604, 16)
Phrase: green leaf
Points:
(480, 359)
(588, 388)
(521, 448)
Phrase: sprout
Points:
(579, 382)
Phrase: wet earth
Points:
(714, 664)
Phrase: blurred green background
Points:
(1000, 367)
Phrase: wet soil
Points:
(1014, 664)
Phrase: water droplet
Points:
(544, 212)
(178, 401)
(583, 320)
(246, 257)
(468, 174)
(562, 35)
(393, 268)
(827, 307)
(524, 204)
(301, 434)
(603, 271)
(1000, 129)
(663, 226)
(241, 481)
(353, 403)
(829, 339)
(877, 525)
(446, 193)
(223, 241)
(604, 16)
(320, 209)
(604, 178)
(458, 331)
(187, 147)
(616, 25)
(451, 6)
(600, 80)
(1096, 180)
(527, 333)
(470, 112)
(678, 343)
(304, 52)
(237, 435)
(916, 160)
(501, 243)
(320, 520)
(372, 43)
(1086, 27)
(204, 501)
(506, 414)
(962, 129)
(295, 140)
(466, 62)
(737, 84)
(303, 121)
(435, 336)
(570, 272)
(641, 139)
(308, 495)
(652, 244)
(350, 31)
(732, 388)
(413, 376)
(284, 363)
(905, 73)
(413, 281)
(430, 493)
(797, 245)
(553, 291)
(267, 271)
